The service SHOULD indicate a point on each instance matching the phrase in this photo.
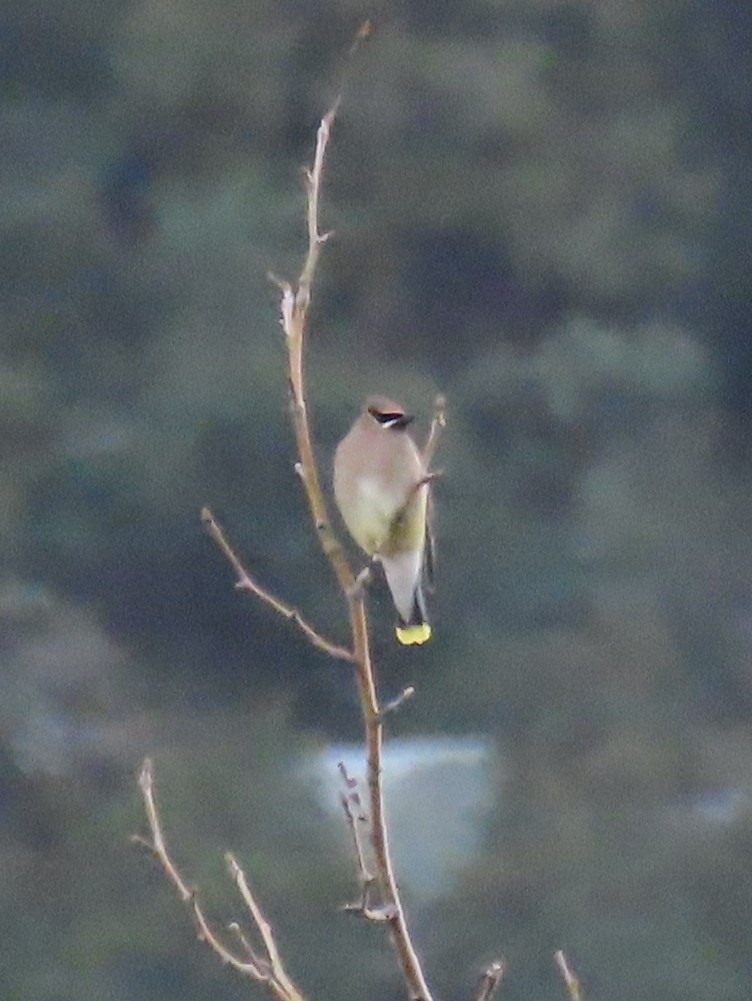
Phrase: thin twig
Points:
(490, 981)
(351, 804)
(246, 583)
(394, 704)
(437, 426)
(313, 188)
(254, 957)
(157, 844)
(279, 974)
(568, 975)
(438, 423)
(364, 32)
(268, 971)
(365, 878)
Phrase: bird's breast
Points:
(375, 496)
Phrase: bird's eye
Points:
(390, 419)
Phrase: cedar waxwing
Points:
(382, 494)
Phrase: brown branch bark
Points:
(294, 309)
(489, 982)
(568, 976)
(246, 582)
(437, 426)
(355, 820)
(268, 970)
(266, 966)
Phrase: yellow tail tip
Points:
(411, 635)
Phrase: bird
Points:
(381, 487)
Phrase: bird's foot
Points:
(358, 588)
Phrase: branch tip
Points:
(268, 971)
(295, 300)
(146, 776)
(438, 423)
(349, 781)
(394, 704)
(283, 285)
(568, 976)
(490, 981)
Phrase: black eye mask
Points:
(390, 420)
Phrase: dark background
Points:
(542, 210)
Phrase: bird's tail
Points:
(404, 575)
(416, 629)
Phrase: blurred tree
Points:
(540, 208)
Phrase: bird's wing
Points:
(429, 551)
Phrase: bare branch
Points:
(267, 971)
(294, 310)
(254, 957)
(568, 975)
(438, 423)
(247, 583)
(286, 987)
(157, 844)
(351, 804)
(267, 967)
(437, 426)
(313, 187)
(394, 704)
(490, 981)
(364, 32)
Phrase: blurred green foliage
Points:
(540, 209)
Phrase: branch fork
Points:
(266, 968)
(294, 305)
(380, 899)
